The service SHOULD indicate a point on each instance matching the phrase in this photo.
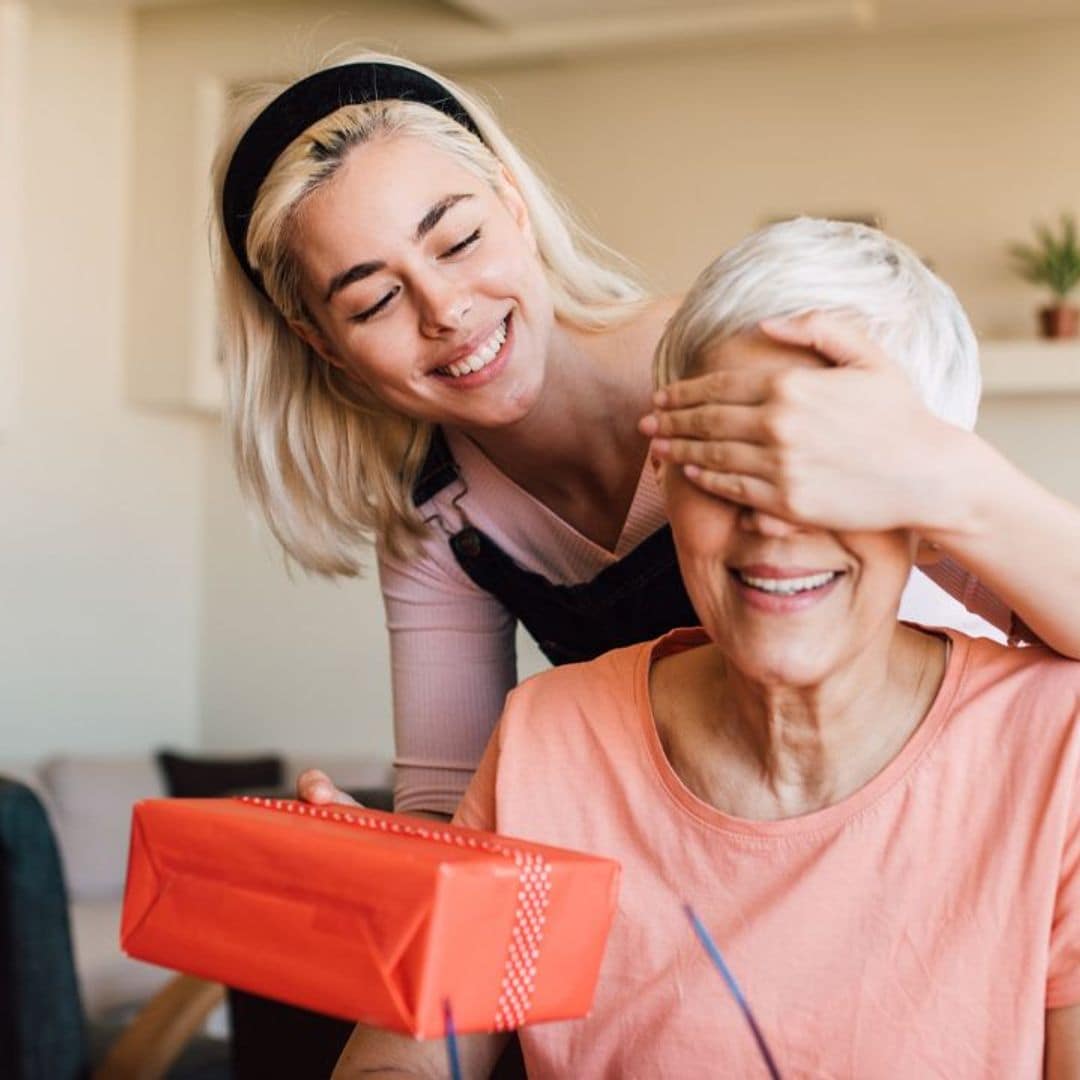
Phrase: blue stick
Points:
(714, 954)
(451, 1040)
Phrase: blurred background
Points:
(140, 604)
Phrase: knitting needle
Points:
(451, 1041)
(714, 954)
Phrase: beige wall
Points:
(99, 543)
(958, 139)
(128, 531)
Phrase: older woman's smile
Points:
(785, 589)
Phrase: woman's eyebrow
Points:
(434, 215)
(347, 277)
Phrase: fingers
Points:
(724, 457)
(314, 786)
(837, 339)
(751, 491)
(704, 422)
(742, 387)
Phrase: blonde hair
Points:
(330, 466)
(809, 264)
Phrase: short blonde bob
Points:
(330, 466)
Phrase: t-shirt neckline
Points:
(830, 817)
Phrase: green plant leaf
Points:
(1054, 260)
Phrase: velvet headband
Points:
(293, 111)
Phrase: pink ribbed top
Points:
(452, 649)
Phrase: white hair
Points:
(810, 264)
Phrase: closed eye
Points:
(462, 245)
(363, 316)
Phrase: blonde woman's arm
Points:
(453, 661)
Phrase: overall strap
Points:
(438, 471)
(638, 598)
(635, 599)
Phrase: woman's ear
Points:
(312, 336)
(512, 199)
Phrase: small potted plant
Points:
(1054, 261)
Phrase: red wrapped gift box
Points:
(366, 915)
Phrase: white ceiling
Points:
(508, 31)
(511, 14)
(515, 13)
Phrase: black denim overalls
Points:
(638, 598)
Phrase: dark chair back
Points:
(42, 1033)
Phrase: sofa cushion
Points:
(200, 777)
(92, 800)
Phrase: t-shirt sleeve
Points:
(477, 809)
(1063, 976)
(453, 661)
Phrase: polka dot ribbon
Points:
(530, 912)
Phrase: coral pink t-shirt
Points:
(918, 928)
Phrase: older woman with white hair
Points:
(877, 820)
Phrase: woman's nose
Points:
(443, 307)
(765, 524)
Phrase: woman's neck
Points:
(578, 450)
(764, 752)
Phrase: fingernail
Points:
(691, 471)
(648, 424)
(660, 398)
(661, 446)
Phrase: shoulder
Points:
(564, 702)
(431, 566)
(605, 698)
(586, 680)
(1019, 705)
(1029, 672)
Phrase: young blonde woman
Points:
(425, 353)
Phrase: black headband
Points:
(292, 112)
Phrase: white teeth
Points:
(788, 586)
(481, 357)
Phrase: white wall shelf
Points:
(1029, 367)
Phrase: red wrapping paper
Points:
(365, 915)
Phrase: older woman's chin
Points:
(793, 657)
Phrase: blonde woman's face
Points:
(425, 286)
